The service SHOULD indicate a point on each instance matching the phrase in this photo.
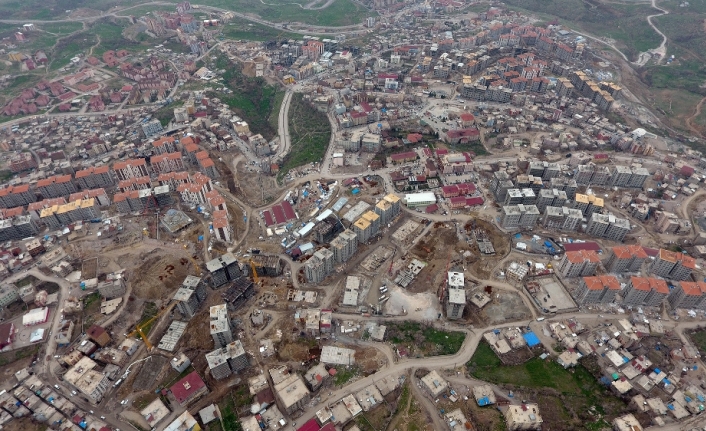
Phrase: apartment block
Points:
(519, 216)
(94, 178)
(266, 265)
(456, 303)
(388, 208)
(550, 198)
(8, 295)
(638, 178)
(131, 168)
(152, 127)
(363, 230)
(190, 296)
(608, 226)
(562, 218)
(222, 229)
(598, 289)
(56, 186)
(219, 325)
(689, 295)
(15, 196)
(167, 162)
(226, 360)
(645, 291)
(319, 265)
(164, 145)
(344, 246)
(620, 176)
(625, 258)
(223, 269)
(672, 265)
(587, 204)
(580, 263)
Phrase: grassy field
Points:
(70, 47)
(699, 338)
(252, 99)
(574, 398)
(343, 375)
(16, 355)
(424, 341)
(310, 133)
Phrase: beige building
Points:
(523, 417)
(290, 390)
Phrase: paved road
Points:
(285, 142)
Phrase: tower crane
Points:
(140, 327)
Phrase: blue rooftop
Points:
(484, 402)
(531, 339)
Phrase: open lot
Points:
(310, 133)
(568, 399)
(424, 341)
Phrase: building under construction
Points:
(239, 292)
(265, 266)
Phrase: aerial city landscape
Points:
(352, 215)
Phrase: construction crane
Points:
(139, 328)
(255, 278)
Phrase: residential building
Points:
(519, 216)
(8, 295)
(319, 265)
(523, 417)
(87, 380)
(578, 263)
(456, 303)
(562, 218)
(190, 296)
(587, 204)
(597, 289)
(363, 230)
(290, 390)
(627, 258)
(220, 327)
(152, 128)
(689, 295)
(98, 335)
(167, 162)
(131, 168)
(434, 384)
(265, 265)
(627, 422)
(114, 288)
(645, 291)
(165, 144)
(344, 246)
(223, 269)
(226, 360)
(188, 389)
(56, 186)
(608, 226)
(672, 265)
(94, 178)
(388, 208)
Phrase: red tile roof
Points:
(187, 387)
